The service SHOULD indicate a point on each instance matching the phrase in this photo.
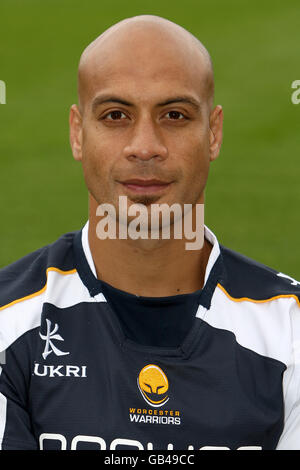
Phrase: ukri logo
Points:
(49, 337)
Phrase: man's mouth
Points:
(145, 186)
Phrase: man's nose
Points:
(145, 142)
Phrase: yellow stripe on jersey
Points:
(35, 294)
(241, 299)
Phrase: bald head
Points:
(140, 40)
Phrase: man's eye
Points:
(114, 116)
(175, 115)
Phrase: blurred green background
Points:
(253, 195)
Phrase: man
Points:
(135, 343)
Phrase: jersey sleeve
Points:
(290, 437)
(15, 423)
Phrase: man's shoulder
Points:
(246, 278)
(28, 275)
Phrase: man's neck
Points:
(150, 268)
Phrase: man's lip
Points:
(149, 182)
(149, 186)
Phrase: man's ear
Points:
(75, 123)
(215, 132)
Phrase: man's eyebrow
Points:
(101, 99)
(182, 99)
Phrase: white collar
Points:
(208, 234)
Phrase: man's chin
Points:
(146, 200)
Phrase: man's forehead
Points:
(140, 83)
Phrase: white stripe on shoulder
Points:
(19, 318)
(67, 290)
(261, 327)
(62, 290)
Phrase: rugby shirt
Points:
(72, 378)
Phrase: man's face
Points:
(146, 117)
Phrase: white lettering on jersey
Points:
(53, 437)
(293, 283)
(121, 442)
(97, 439)
(49, 344)
(59, 371)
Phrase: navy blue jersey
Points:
(73, 378)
